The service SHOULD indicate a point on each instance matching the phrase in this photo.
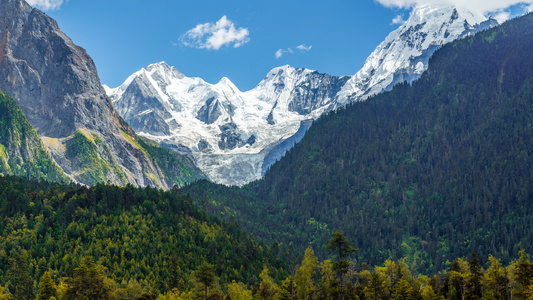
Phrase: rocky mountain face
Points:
(56, 84)
(235, 136)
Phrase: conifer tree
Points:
(473, 290)
(403, 290)
(47, 287)
(267, 288)
(20, 275)
(88, 282)
(304, 274)
(339, 245)
(205, 275)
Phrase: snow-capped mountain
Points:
(229, 133)
(404, 54)
(235, 136)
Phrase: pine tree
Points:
(339, 244)
(205, 275)
(473, 289)
(304, 274)
(20, 274)
(403, 290)
(88, 282)
(267, 288)
(47, 287)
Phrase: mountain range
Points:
(234, 137)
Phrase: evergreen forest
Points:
(427, 172)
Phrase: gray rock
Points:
(56, 84)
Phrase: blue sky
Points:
(333, 37)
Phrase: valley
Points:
(412, 179)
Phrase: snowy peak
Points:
(228, 132)
(405, 53)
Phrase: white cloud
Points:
(481, 6)
(213, 36)
(280, 52)
(398, 20)
(304, 48)
(46, 4)
(502, 16)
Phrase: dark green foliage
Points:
(444, 167)
(19, 272)
(339, 245)
(155, 237)
(473, 290)
(178, 169)
(88, 282)
(21, 151)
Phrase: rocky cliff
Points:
(56, 84)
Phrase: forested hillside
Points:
(21, 151)
(429, 172)
(147, 236)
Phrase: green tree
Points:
(88, 282)
(304, 275)
(4, 296)
(339, 245)
(267, 288)
(47, 287)
(376, 286)
(20, 276)
(328, 281)
(495, 280)
(403, 290)
(238, 291)
(473, 289)
(205, 275)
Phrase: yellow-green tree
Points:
(267, 288)
(495, 279)
(238, 291)
(304, 275)
(47, 287)
(403, 290)
(375, 288)
(4, 296)
(328, 281)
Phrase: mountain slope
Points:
(148, 236)
(433, 171)
(56, 84)
(21, 151)
(235, 136)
